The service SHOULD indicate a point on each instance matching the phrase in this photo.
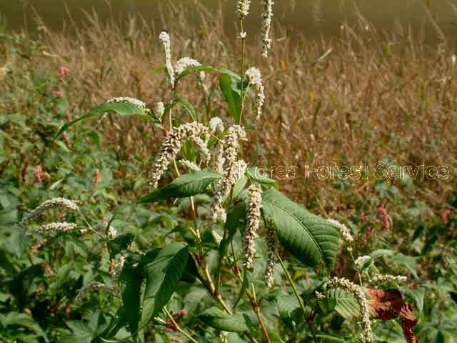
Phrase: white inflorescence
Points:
(172, 145)
(271, 259)
(242, 8)
(266, 26)
(216, 124)
(127, 100)
(70, 205)
(383, 279)
(189, 165)
(160, 109)
(361, 261)
(255, 79)
(359, 294)
(56, 227)
(186, 63)
(165, 39)
(227, 162)
(345, 233)
(252, 223)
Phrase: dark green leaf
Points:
(183, 186)
(131, 298)
(162, 275)
(232, 98)
(220, 320)
(119, 244)
(311, 239)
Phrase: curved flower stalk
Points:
(252, 223)
(172, 145)
(232, 167)
(166, 42)
(383, 279)
(67, 204)
(56, 227)
(189, 165)
(345, 233)
(359, 294)
(267, 15)
(255, 79)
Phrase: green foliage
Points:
(311, 239)
(154, 266)
(183, 186)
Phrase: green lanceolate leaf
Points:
(220, 320)
(121, 108)
(232, 98)
(207, 69)
(162, 275)
(131, 298)
(311, 239)
(183, 186)
(186, 105)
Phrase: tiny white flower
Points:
(160, 109)
(255, 79)
(252, 224)
(216, 124)
(359, 294)
(242, 8)
(267, 15)
(164, 37)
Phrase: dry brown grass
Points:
(372, 97)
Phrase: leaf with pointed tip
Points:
(162, 275)
(121, 108)
(183, 186)
(185, 104)
(131, 298)
(309, 238)
(232, 98)
(207, 69)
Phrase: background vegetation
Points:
(356, 99)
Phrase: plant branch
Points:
(299, 298)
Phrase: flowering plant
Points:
(233, 225)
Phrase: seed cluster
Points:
(67, 204)
(271, 258)
(164, 37)
(267, 15)
(255, 79)
(172, 145)
(252, 225)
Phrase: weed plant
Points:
(164, 221)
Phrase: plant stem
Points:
(299, 298)
(177, 327)
(243, 53)
(256, 307)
